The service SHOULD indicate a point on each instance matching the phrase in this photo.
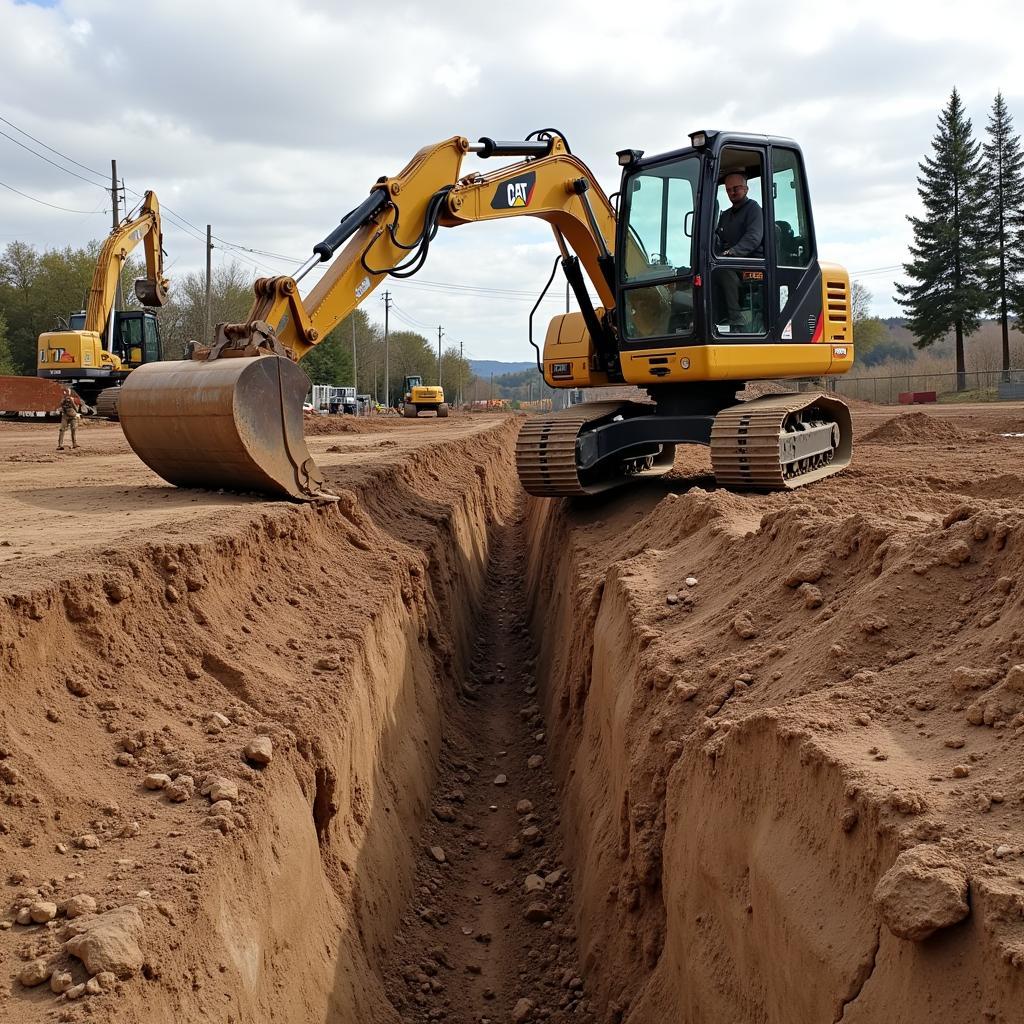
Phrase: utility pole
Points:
(440, 331)
(355, 378)
(387, 368)
(114, 213)
(462, 373)
(115, 221)
(491, 398)
(209, 253)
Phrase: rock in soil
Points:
(925, 890)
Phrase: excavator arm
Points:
(151, 290)
(222, 419)
(390, 233)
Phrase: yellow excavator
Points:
(418, 397)
(681, 310)
(101, 344)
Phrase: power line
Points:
(66, 170)
(257, 252)
(43, 202)
(409, 316)
(63, 156)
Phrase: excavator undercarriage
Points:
(776, 442)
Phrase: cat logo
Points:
(515, 194)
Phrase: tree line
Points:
(39, 290)
(967, 256)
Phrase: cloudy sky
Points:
(269, 119)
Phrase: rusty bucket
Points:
(231, 423)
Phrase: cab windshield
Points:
(660, 213)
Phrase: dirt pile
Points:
(313, 425)
(757, 704)
(919, 428)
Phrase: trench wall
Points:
(725, 860)
(339, 631)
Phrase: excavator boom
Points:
(206, 421)
(150, 290)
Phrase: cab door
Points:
(739, 299)
(797, 277)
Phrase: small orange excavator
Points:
(683, 311)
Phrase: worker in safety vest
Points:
(68, 418)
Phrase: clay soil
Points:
(672, 754)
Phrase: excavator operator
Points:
(740, 232)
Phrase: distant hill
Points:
(483, 368)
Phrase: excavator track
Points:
(546, 453)
(780, 442)
(106, 403)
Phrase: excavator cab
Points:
(716, 246)
(92, 361)
(419, 397)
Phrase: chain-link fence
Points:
(918, 388)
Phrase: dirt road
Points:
(57, 503)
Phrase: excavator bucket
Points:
(231, 423)
(149, 292)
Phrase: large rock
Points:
(924, 890)
(109, 942)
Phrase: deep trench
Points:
(643, 868)
(489, 933)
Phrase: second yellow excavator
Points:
(705, 274)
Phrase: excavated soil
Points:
(442, 752)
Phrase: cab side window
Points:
(151, 354)
(792, 228)
(738, 286)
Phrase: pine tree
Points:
(1005, 169)
(951, 244)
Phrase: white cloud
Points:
(457, 76)
(81, 31)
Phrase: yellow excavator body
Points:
(675, 302)
(103, 344)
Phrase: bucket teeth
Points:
(231, 423)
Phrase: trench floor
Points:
(489, 934)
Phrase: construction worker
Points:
(68, 418)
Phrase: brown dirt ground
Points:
(732, 770)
